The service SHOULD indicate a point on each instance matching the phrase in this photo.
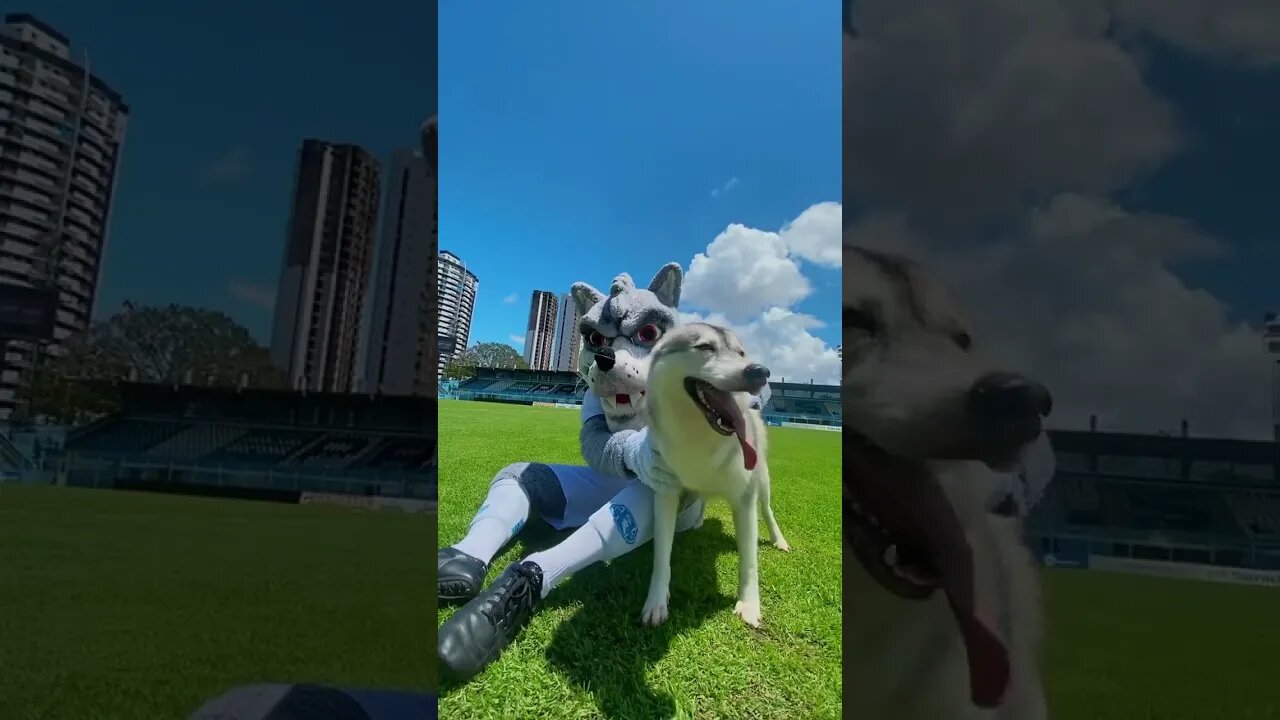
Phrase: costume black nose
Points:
(605, 359)
(1005, 396)
(757, 375)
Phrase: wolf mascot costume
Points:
(607, 500)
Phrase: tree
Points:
(172, 344)
(490, 355)
(455, 370)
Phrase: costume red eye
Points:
(595, 339)
(648, 333)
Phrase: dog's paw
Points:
(783, 545)
(654, 612)
(749, 612)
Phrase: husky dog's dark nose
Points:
(605, 359)
(756, 374)
(1006, 396)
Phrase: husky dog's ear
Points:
(666, 284)
(585, 297)
(622, 283)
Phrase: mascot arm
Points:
(604, 450)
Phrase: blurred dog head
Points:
(915, 382)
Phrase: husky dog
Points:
(618, 333)
(702, 424)
(943, 611)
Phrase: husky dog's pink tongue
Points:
(938, 525)
(722, 402)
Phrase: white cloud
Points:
(751, 279)
(996, 171)
(1009, 100)
(815, 234)
(510, 299)
(744, 271)
(517, 339)
(723, 189)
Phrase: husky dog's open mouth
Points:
(722, 414)
(893, 552)
(908, 536)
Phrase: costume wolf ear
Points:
(585, 297)
(666, 284)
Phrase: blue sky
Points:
(580, 140)
(221, 95)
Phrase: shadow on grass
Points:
(604, 649)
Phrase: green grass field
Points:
(585, 654)
(1118, 647)
(130, 606)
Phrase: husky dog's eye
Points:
(649, 333)
(859, 321)
(595, 339)
(963, 340)
(705, 347)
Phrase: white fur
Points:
(708, 464)
(905, 659)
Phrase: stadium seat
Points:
(1258, 513)
(335, 450)
(405, 454)
(477, 383)
(198, 440)
(263, 445)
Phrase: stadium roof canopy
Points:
(1222, 450)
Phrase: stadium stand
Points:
(317, 442)
(800, 403)
(1159, 497)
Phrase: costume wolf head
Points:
(618, 331)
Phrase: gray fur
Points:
(603, 449)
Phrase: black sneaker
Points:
(459, 576)
(478, 633)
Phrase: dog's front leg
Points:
(666, 508)
(745, 527)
